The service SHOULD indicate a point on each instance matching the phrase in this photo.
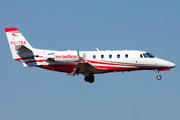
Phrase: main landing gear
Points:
(89, 78)
(158, 75)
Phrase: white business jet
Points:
(87, 63)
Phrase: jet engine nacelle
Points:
(67, 56)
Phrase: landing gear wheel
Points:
(89, 79)
(159, 77)
(86, 79)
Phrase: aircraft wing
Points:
(84, 67)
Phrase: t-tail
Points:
(20, 48)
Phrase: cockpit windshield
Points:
(146, 55)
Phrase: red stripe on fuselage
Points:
(112, 66)
(34, 61)
(27, 58)
(106, 63)
(116, 68)
(119, 67)
(30, 61)
(24, 58)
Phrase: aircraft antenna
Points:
(41, 40)
(97, 49)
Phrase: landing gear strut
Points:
(158, 75)
(89, 78)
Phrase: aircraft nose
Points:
(171, 65)
(165, 63)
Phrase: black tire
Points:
(91, 80)
(86, 79)
(159, 77)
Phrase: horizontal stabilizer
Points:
(22, 48)
(30, 64)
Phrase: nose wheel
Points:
(158, 75)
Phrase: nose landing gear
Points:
(158, 75)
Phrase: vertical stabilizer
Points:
(20, 48)
(17, 42)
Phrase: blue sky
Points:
(34, 93)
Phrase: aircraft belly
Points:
(68, 68)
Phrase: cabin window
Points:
(118, 55)
(110, 56)
(102, 56)
(94, 56)
(126, 56)
(141, 56)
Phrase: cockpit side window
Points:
(141, 56)
(145, 56)
(150, 55)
